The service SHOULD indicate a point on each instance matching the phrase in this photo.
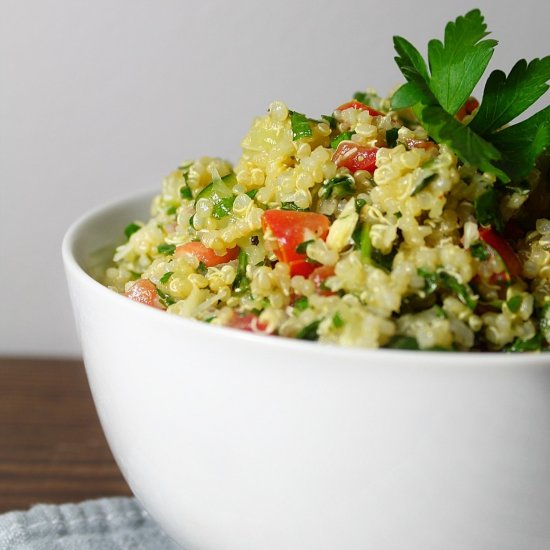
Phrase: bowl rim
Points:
(326, 350)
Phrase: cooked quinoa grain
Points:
(354, 229)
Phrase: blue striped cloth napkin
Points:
(104, 524)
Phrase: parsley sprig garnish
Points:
(437, 90)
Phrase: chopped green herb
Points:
(448, 282)
(130, 229)
(185, 192)
(330, 120)
(135, 275)
(229, 180)
(165, 298)
(301, 126)
(423, 183)
(391, 137)
(402, 342)
(356, 237)
(514, 303)
(340, 137)
(544, 321)
(263, 305)
(209, 319)
(487, 210)
(171, 210)
(337, 320)
(164, 279)
(440, 312)
(241, 284)
(363, 97)
(478, 250)
(430, 280)
(384, 261)
(301, 303)
(365, 244)
(369, 254)
(309, 332)
(223, 207)
(533, 344)
(202, 269)
(359, 203)
(445, 281)
(338, 187)
(252, 193)
(220, 194)
(292, 206)
(302, 247)
(167, 249)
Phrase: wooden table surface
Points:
(52, 448)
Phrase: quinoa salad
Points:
(416, 221)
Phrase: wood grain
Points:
(52, 448)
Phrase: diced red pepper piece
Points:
(355, 157)
(357, 105)
(206, 255)
(502, 247)
(291, 228)
(144, 292)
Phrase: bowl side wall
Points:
(238, 442)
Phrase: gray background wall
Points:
(102, 98)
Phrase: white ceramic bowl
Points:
(235, 441)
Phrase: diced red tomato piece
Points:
(248, 322)
(502, 247)
(291, 228)
(319, 275)
(468, 108)
(206, 255)
(301, 267)
(355, 157)
(357, 105)
(144, 292)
